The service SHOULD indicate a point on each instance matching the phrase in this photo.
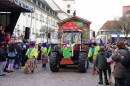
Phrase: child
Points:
(101, 64)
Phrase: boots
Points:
(106, 81)
(101, 81)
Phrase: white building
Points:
(42, 19)
(62, 14)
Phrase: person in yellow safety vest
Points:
(93, 51)
(45, 54)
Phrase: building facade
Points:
(40, 22)
(61, 14)
(69, 6)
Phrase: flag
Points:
(74, 14)
(101, 42)
(118, 37)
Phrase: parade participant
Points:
(2, 59)
(31, 62)
(39, 52)
(12, 53)
(46, 50)
(66, 50)
(93, 51)
(101, 64)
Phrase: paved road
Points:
(44, 77)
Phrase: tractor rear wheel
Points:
(82, 62)
(54, 64)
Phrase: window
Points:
(43, 18)
(33, 30)
(46, 20)
(18, 27)
(23, 28)
(68, 11)
(36, 16)
(33, 15)
(40, 17)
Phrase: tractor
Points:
(70, 34)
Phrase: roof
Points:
(43, 1)
(56, 5)
(107, 25)
(13, 5)
(74, 18)
(59, 11)
(125, 9)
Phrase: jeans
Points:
(11, 64)
(2, 66)
(17, 61)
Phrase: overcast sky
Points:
(98, 11)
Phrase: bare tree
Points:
(122, 25)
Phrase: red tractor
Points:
(72, 34)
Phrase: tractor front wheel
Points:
(54, 64)
(82, 62)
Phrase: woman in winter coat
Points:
(101, 64)
(119, 69)
(126, 63)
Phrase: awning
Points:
(15, 5)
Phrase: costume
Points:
(32, 54)
(66, 53)
(92, 54)
(45, 54)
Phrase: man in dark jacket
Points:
(126, 63)
(2, 59)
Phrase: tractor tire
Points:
(82, 62)
(54, 64)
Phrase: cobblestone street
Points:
(44, 77)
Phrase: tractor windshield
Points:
(71, 37)
(55, 37)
